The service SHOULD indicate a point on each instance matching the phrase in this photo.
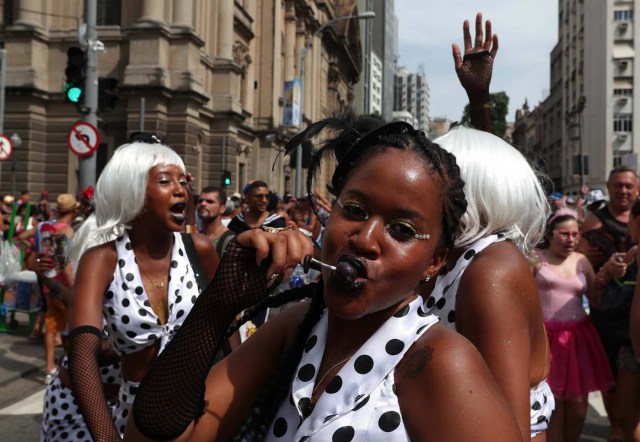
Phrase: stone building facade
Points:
(211, 73)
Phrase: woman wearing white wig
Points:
(138, 276)
(487, 291)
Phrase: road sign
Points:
(83, 139)
(5, 148)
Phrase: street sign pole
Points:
(3, 78)
(87, 172)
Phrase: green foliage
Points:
(499, 107)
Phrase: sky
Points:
(527, 32)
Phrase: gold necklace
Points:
(156, 285)
(326, 373)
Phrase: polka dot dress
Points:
(61, 418)
(442, 303)
(131, 323)
(360, 403)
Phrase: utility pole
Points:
(87, 170)
(3, 79)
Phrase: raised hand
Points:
(475, 69)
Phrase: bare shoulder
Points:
(100, 255)
(201, 243)
(444, 384)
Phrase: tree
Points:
(499, 107)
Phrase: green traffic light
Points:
(227, 181)
(74, 93)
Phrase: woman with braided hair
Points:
(362, 359)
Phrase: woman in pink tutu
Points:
(578, 361)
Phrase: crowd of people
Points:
(455, 299)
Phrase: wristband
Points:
(190, 228)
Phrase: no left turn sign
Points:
(83, 139)
(5, 148)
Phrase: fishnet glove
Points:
(475, 76)
(84, 347)
(238, 284)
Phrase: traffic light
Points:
(226, 178)
(107, 93)
(75, 73)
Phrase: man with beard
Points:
(256, 215)
(605, 240)
(211, 206)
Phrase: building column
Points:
(183, 14)
(289, 41)
(152, 11)
(225, 29)
(30, 14)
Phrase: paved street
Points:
(21, 392)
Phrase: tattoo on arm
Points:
(414, 362)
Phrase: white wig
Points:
(503, 192)
(121, 193)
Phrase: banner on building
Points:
(292, 114)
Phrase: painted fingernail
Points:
(272, 280)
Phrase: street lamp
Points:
(303, 55)
(16, 142)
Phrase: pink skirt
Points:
(578, 361)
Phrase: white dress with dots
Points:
(442, 303)
(131, 322)
(360, 403)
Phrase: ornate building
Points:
(211, 73)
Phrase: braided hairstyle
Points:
(356, 140)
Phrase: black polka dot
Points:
(361, 403)
(304, 438)
(114, 328)
(121, 263)
(280, 427)
(178, 300)
(500, 235)
(431, 301)
(151, 337)
(111, 379)
(108, 294)
(446, 289)
(394, 388)
(451, 317)
(544, 396)
(146, 303)
(139, 290)
(129, 277)
(120, 238)
(174, 264)
(389, 421)
(335, 385)
(125, 319)
(541, 419)
(125, 302)
(131, 334)
(81, 434)
(128, 246)
(111, 310)
(470, 254)
(125, 287)
(363, 364)
(328, 418)
(311, 342)
(440, 304)
(422, 313)
(306, 372)
(142, 312)
(394, 347)
(179, 314)
(193, 299)
(145, 326)
(403, 311)
(189, 284)
(121, 429)
(536, 406)
(120, 341)
(303, 405)
(344, 434)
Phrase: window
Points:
(627, 92)
(7, 12)
(108, 12)
(623, 15)
(623, 122)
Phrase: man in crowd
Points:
(604, 237)
(256, 215)
(211, 206)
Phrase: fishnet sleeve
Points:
(84, 348)
(238, 284)
(475, 76)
